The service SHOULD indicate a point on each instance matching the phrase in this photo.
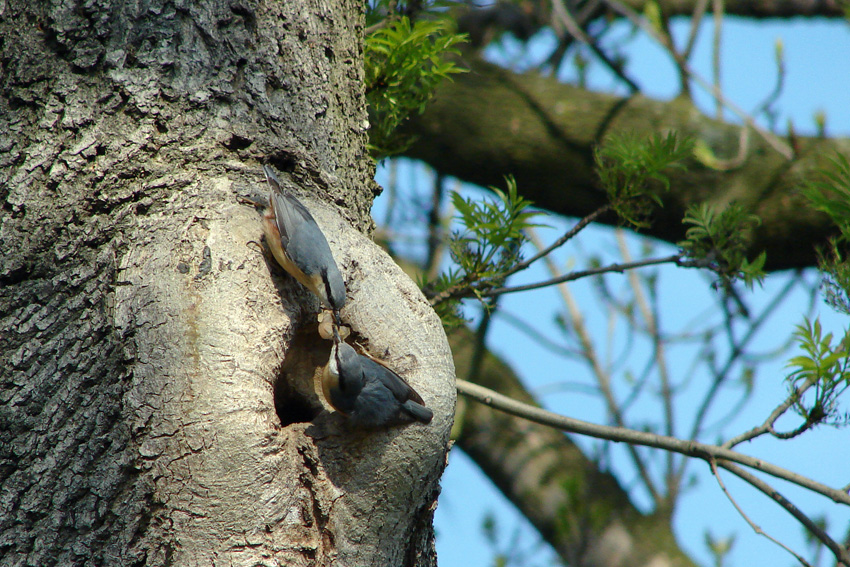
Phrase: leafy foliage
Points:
(836, 281)
(831, 195)
(486, 248)
(718, 240)
(628, 165)
(405, 61)
(824, 369)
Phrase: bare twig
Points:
(565, 18)
(539, 338)
(375, 27)
(480, 340)
(619, 268)
(841, 554)
(651, 317)
(777, 144)
(623, 435)
(578, 227)
(735, 354)
(773, 96)
(603, 378)
(465, 289)
(767, 426)
(756, 527)
(717, 9)
(696, 20)
(713, 454)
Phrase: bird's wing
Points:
(395, 383)
(295, 223)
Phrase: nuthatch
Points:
(369, 393)
(300, 247)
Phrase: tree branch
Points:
(465, 290)
(600, 374)
(619, 434)
(543, 132)
(774, 141)
(750, 9)
(840, 553)
(756, 528)
(579, 226)
(532, 464)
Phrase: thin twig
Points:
(756, 528)
(773, 96)
(696, 20)
(465, 289)
(539, 338)
(717, 9)
(574, 29)
(784, 149)
(652, 326)
(571, 233)
(619, 268)
(603, 378)
(735, 354)
(623, 435)
(480, 341)
(375, 27)
(767, 426)
(841, 554)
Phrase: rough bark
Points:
(491, 122)
(145, 344)
(581, 511)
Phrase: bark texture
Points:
(157, 404)
(491, 121)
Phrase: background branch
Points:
(544, 133)
(619, 434)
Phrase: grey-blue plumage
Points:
(369, 393)
(300, 246)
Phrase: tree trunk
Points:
(158, 403)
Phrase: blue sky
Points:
(818, 79)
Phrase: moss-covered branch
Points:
(491, 122)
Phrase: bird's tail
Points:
(418, 411)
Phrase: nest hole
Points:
(296, 390)
(291, 406)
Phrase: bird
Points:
(368, 392)
(300, 246)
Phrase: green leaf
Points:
(719, 241)
(489, 244)
(633, 170)
(405, 62)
